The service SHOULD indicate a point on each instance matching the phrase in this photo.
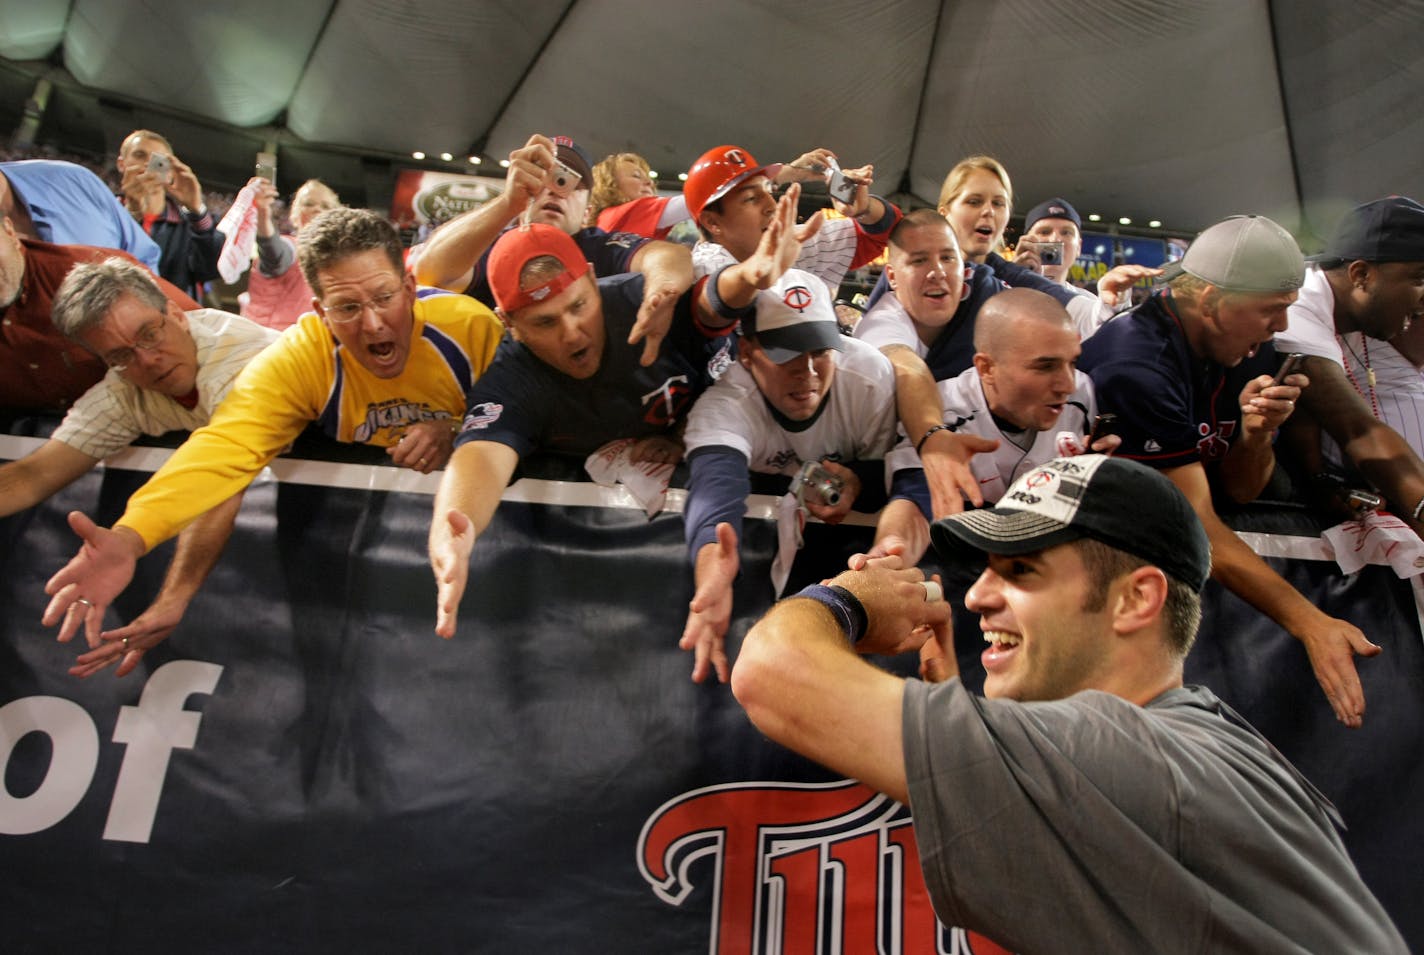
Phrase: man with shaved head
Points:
(1023, 391)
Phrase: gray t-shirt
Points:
(1092, 824)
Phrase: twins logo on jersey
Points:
(1215, 444)
(482, 416)
(662, 405)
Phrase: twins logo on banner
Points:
(799, 868)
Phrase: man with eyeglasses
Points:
(40, 369)
(379, 362)
(168, 370)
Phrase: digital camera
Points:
(815, 480)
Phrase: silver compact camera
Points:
(1050, 253)
(815, 480)
(562, 180)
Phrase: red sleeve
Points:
(639, 217)
(870, 245)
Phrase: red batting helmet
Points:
(717, 172)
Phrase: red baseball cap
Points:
(515, 249)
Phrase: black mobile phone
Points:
(1291, 363)
(1103, 425)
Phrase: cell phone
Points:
(1103, 425)
(161, 165)
(266, 167)
(1288, 366)
(840, 187)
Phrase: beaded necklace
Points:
(1369, 371)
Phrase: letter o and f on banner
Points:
(151, 731)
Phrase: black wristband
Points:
(844, 605)
(919, 446)
(714, 298)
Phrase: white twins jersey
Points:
(113, 413)
(826, 255)
(967, 412)
(1398, 391)
(856, 423)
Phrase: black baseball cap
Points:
(1385, 230)
(1121, 503)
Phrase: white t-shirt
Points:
(1312, 321)
(856, 423)
(966, 411)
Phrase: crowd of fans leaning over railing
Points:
(559, 317)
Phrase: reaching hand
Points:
(1332, 647)
(945, 456)
(92, 579)
(710, 611)
(126, 645)
(654, 320)
(1117, 282)
(450, 547)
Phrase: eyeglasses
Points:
(148, 338)
(347, 312)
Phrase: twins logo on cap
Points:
(1054, 490)
(798, 297)
(736, 157)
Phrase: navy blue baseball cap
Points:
(1052, 209)
(1385, 230)
(1121, 503)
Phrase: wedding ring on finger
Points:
(933, 591)
(126, 643)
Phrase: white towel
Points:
(239, 229)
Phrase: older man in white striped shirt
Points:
(168, 371)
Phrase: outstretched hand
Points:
(126, 645)
(945, 456)
(450, 547)
(84, 588)
(653, 321)
(710, 611)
